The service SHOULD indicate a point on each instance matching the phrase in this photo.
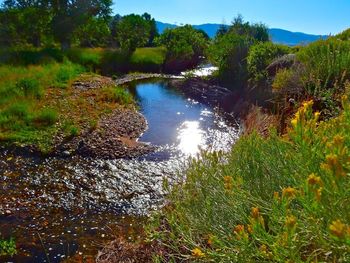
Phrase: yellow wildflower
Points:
(211, 240)
(319, 193)
(228, 183)
(333, 164)
(294, 122)
(239, 229)
(317, 115)
(338, 140)
(255, 212)
(250, 229)
(197, 252)
(308, 104)
(291, 221)
(314, 180)
(276, 196)
(338, 228)
(289, 192)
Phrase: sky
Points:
(308, 16)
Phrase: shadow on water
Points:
(69, 207)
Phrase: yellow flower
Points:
(255, 212)
(338, 228)
(317, 115)
(291, 221)
(294, 122)
(314, 180)
(276, 196)
(228, 183)
(250, 229)
(338, 140)
(289, 192)
(319, 193)
(211, 240)
(239, 229)
(333, 164)
(308, 104)
(197, 252)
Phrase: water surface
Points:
(68, 207)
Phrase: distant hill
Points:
(277, 35)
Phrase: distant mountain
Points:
(277, 35)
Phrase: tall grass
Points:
(327, 66)
(275, 199)
(24, 115)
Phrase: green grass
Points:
(25, 116)
(275, 199)
(148, 59)
(7, 247)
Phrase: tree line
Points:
(87, 23)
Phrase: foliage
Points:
(117, 95)
(185, 46)
(326, 66)
(229, 53)
(260, 56)
(24, 115)
(134, 31)
(258, 32)
(7, 247)
(148, 59)
(274, 199)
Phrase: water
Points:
(64, 208)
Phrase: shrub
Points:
(117, 94)
(260, 56)
(229, 53)
(327, 64)
(185, 46)
(88, 57)
(46, 117)
(30, 87)
(7, 247)
(270, 200)
(148, 59)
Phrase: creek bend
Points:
(59, 207)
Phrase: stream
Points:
(60, 208)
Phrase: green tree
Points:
(94, 33)
(68, 15)
(260, 56)
(185, 46)
(134, 31)
(24, 22)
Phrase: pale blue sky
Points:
(309, 16)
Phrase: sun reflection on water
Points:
(191, 137)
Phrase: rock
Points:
(66, 153)
(283, 62)
(8, 212)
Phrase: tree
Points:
(94, 33)
(25, 21)
(185, 46)
(68, 15)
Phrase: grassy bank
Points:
(100, 60)
(275, 199)
(38, 102)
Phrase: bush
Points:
(148, 59)
(30, 87)
(260, 56)
(327, 64)
(46, 117)
(117, 94)
(185, 46)
(88, 57)
(229, 53)
(7, 247)
(270, 200)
